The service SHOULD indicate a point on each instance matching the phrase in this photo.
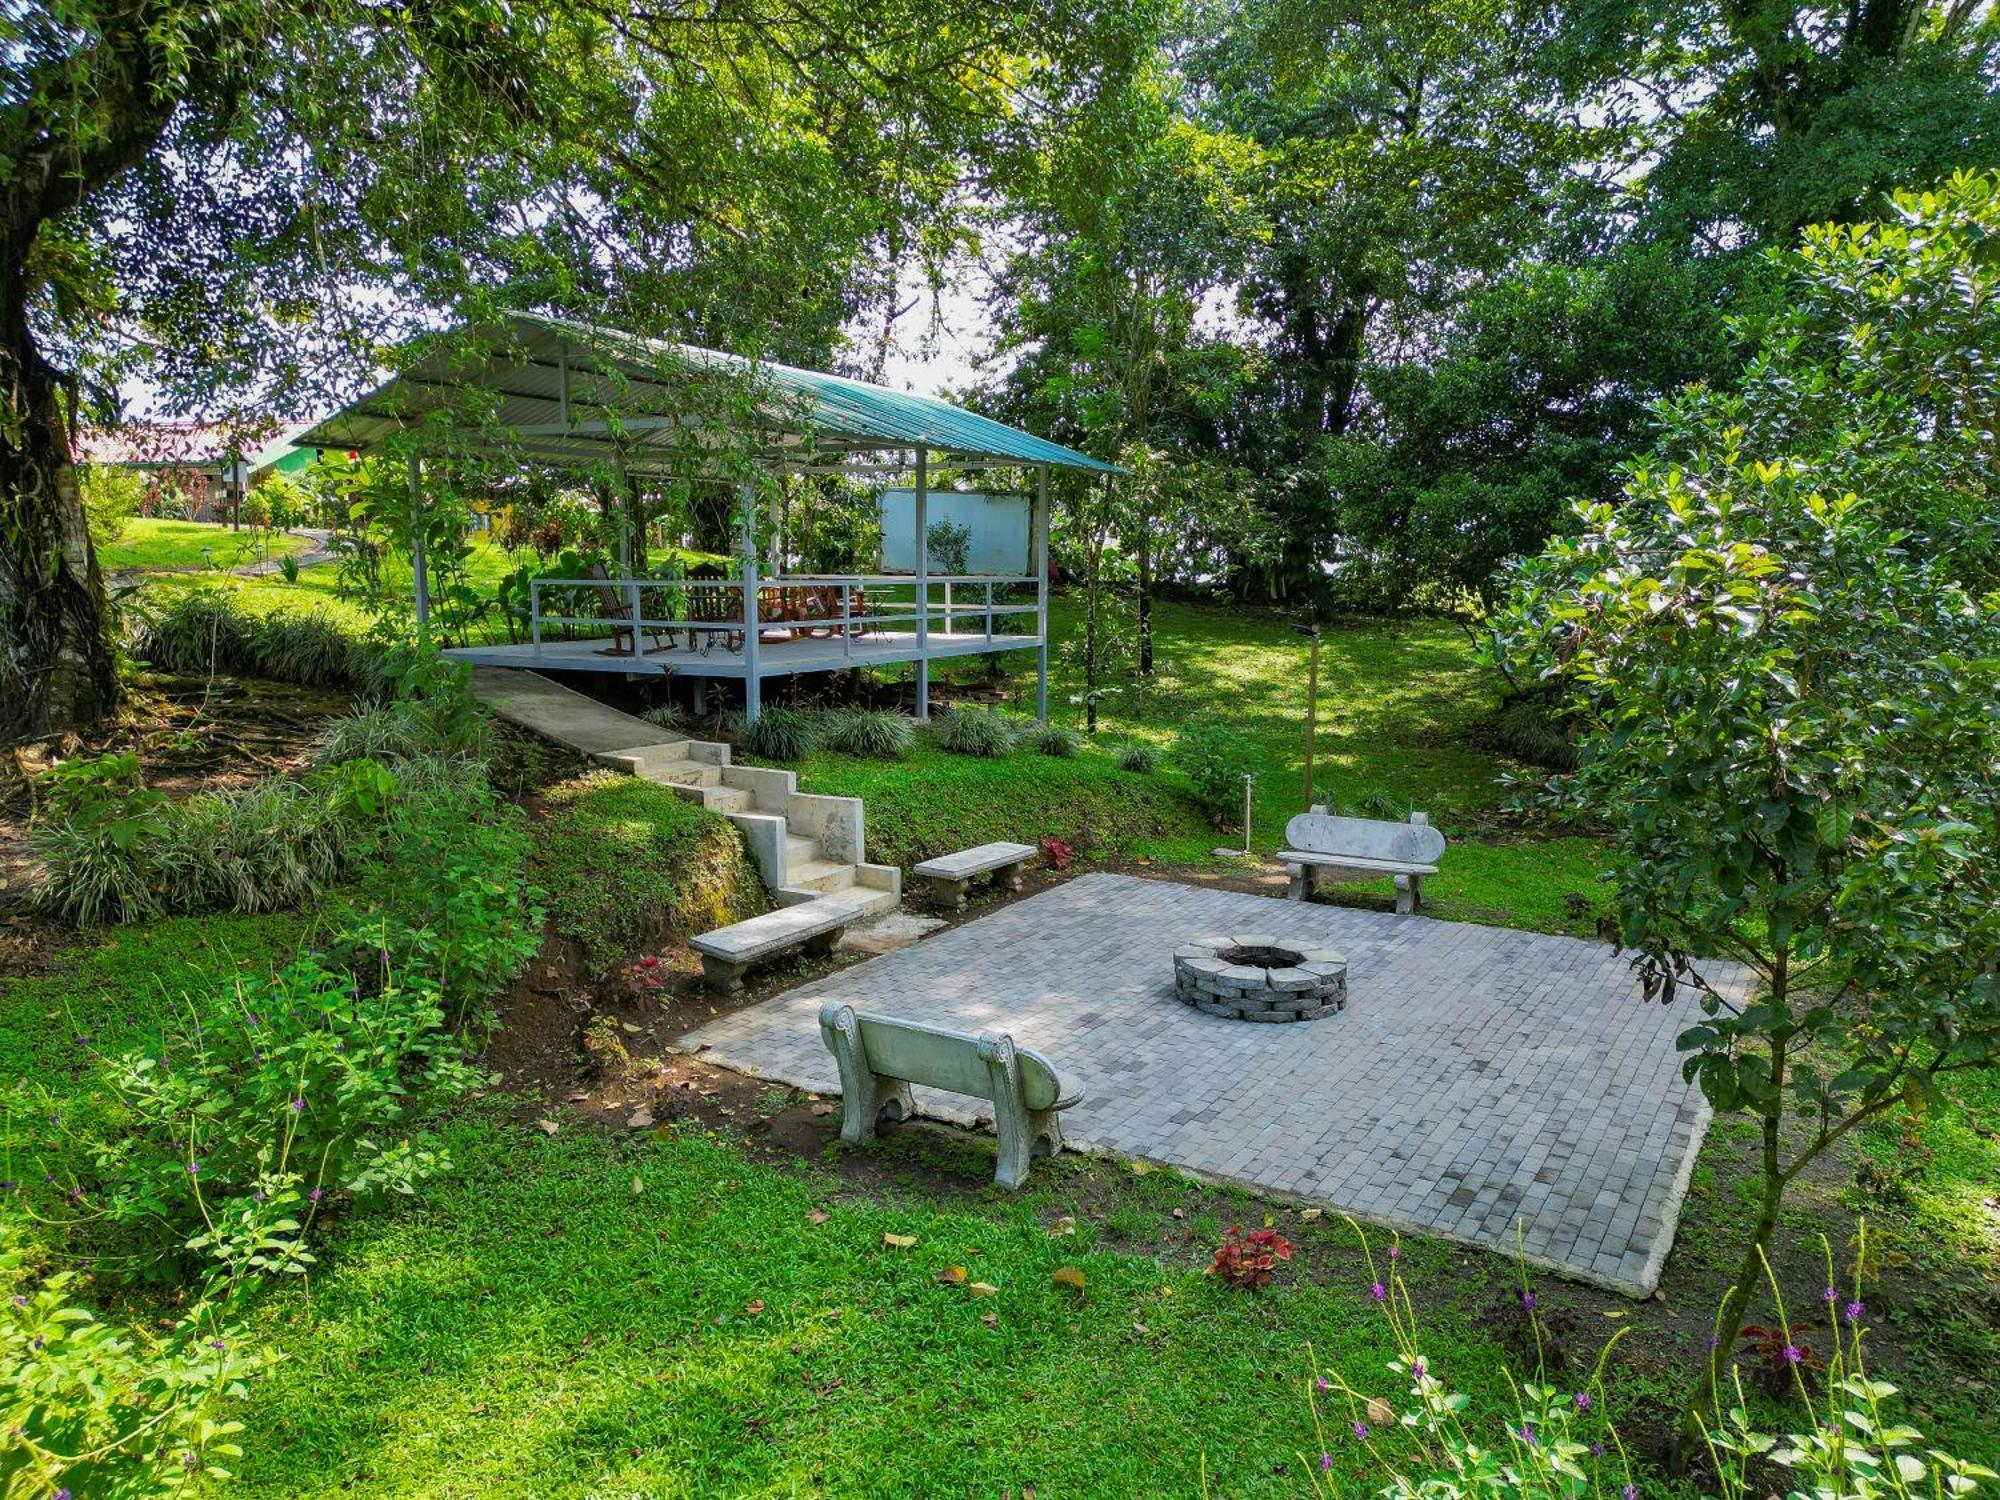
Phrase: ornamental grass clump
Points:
(1137, 758)
(974, 731)
(879, 733)
(778, 734)
(1055, 740)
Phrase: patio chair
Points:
(616, 608)
(713, 607)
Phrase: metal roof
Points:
(561, 392)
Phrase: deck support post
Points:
(753, 687)
(418, 563)
(923, 585)
(1038, 550)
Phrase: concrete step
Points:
(872, 900)
(799, 849)
(727, 799)
(681, 773)
(822, 875)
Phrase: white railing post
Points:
(847, 621)
(1038, 557)
(535, 612)
(638, 622)
(923, 585)
(989, 610)
(753, 689)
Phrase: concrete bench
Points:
(880, 1058)
(948, 875)
(1361, 848)
(728, 952)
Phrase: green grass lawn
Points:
(148, 542)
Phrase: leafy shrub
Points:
(261, 1102)
(206, 630)
(308, 647)
(94, 841)
(112, 495)
(881, 733)
(1137, 758)
(1531, 727)
(627, 862)
(975, 731)
(446, 893)
(1215, 757)
(778, 734)
(1248, 1260)
(1056, 740)
(90, 1411)
(200, 631)
(443, 722)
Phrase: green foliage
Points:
(974, 731)
(1057, 740)
(1788, 700)
(1138, 757)
(668, 716)
(946, 543)
(203, 631)
(94, 836)
(626, 863)
(1215, 757)
(261, 1102)
(112, 496)
(881, 733)
(91, 1411)
(779, 734)
(433, 714)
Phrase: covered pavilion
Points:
(569, 395)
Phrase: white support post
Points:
(1038, 550)
(923, 586)
(753, 687)
(847, 621)
(417, 560)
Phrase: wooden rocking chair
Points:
(624, 640)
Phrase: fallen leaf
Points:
(1614, 1312)
(982, 1289)
(631, 1028)
(1141, 1328)
(1069, 1276)
(899, 1241)
(817, 1216)
(579, 1096)
(638, 1185)
(822, 1109)
(1180, 1213)
(991, 1320)
(1309, 1214)
(1140, 1168)
(952, 1276)
(547, 1127)
(1380, 1412)
(640, 1119)
(754, 1308)
(1065, 1225)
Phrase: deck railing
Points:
(843, 606)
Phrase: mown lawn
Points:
(150, 542)
(1403, 713)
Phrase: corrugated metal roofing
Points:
(562, 391)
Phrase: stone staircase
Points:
(805, 846)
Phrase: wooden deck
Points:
(785, 658)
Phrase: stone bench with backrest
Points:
(728, 952)
(880, 1057)
(948, 875)
(1319, 845)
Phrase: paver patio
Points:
(1478, 1076)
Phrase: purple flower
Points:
(1631, 1491)
(1361, 1430)
(1527, 1434)
(1831, 1295)
(1325, 1462)
(194, 1169)
(1583, 1400)
(1416, 1369)
(1527, 1301)
(298, 1104)
(1395, 1252)
(62, 1494)
(8, 1184)
(19, 1300)
(258, 1198)
(1377, 1291)
(1323, 1383)
(1714, 1340)
(1855, 1310)
(315, 1195)
(217, 1345)
(1597, 1450)
(1793, 1354)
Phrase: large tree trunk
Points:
(57, 667)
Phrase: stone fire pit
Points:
(1260, 978)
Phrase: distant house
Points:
(190, 464)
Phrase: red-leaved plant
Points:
(1059, 853)
(644, 977)
(1246, 1259)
